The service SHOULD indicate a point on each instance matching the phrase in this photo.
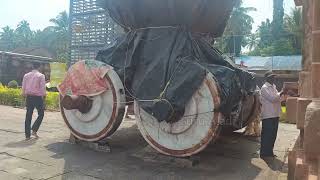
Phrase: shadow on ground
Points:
(22, 143)
(231, 157)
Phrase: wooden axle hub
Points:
(81, 103)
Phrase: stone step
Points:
(313, 170)
(302, 169)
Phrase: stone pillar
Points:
(302, 104)
(316, 32)
(307, 35)
(316, 14)
(316, 46)
(312, 130)
(307, 153)
(305, 84)
(315, 80)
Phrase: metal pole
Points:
(234, 46)
(272, 64)
(70, 31)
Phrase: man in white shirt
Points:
(270, 113)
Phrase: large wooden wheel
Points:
(249, 112)
(193, 132)
(105, 115)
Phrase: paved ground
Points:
(53, 157)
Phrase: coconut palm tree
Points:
(252, 41)
(7, 39)
(293, 25)
(23, 34)
(239, 25)
(61, 22)
(61, 38)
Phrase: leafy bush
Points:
(13, 84)
(13, 97)
(10, 96)
(52, 100)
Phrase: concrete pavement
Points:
(53, 157)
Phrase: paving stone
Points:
(8, 176)
(29, 169)
(73, 176)
(149, 155)
(53, 157)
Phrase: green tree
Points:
(7, 39)
(287, 43)
(54, 38)
(45, 39)
(23, 34)
(239, 25)
(265, 34)
(293, 25)
(277, 23)
(281, 47)
(61, 23)
(252, 41)
(61, 37)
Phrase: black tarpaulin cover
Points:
(163, 59)
(163, 67)
(205, 16)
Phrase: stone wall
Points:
(304, 158)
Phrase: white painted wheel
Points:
(104, 117)
(193, 132)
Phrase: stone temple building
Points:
(304, 158)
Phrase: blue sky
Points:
(38, 12)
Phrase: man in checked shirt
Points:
(270, 113)
(34, 89)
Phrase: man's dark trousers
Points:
(33, 102)
(268, 136)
